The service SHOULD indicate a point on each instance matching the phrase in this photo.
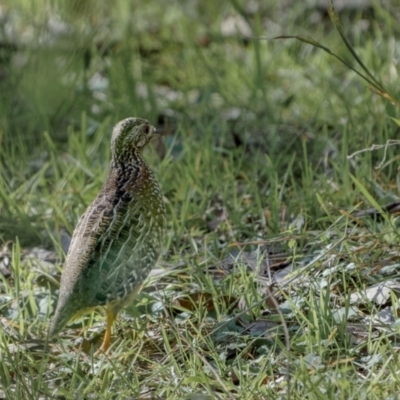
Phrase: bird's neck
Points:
(132, 174)
(127, 157)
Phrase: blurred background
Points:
(188, 59)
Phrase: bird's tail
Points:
(62, 315)
(60, 319)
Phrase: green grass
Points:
(256, 177)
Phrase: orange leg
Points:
(107, 336)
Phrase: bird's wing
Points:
(95, 249)
(104, 239)
(90, 228)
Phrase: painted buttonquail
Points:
(118, 239)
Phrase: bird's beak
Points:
(154, 134)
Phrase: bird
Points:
(118, 239)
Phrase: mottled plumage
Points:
(118, 239)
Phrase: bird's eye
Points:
(146, 129)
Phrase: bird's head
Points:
(131, 134)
